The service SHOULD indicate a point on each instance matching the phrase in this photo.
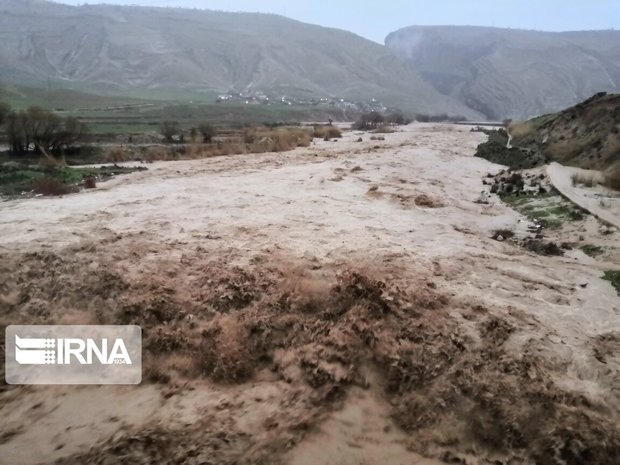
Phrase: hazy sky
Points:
(374, 19)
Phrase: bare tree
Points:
(5, 110)
(16, 132)
(42, 130)
(169, 129)
(396, 118)
(207, 131)
(73, 131)
(369, 120)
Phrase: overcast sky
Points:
(374, 19)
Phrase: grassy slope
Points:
(586, 135)
(20, 97)
(550, 210)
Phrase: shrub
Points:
(281, 139)
(290, 138)
(369, 120)
(230, 147)
(50, 186)
(207, 132)
(397, 118)
(193, 135)
(520, 130)
(327, 132)
(116, 155)
(592, 250)
(169, 129)
(251, 140)
(155, 153)
(588, 179)
(612, 179)
(90, 182)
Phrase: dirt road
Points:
(342, 303)
(598, 200)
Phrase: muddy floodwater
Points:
(342, 303)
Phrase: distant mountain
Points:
(170, 51)
(512, 73)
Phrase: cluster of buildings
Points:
(259, 98)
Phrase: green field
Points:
(109, 115)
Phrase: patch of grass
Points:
(577, 215)
(520, 200)
(613, 276)
(592, 250)
(551, 210)
(19, 179)
(567, 211)
(551, 224)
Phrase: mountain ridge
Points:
(514, 73)
(110, 48)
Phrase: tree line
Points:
(171, 130)
(37, 129)
(375, 119)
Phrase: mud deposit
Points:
(290, 318)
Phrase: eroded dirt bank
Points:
(337, 304)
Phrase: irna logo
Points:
(103, 354)
(49, 351)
